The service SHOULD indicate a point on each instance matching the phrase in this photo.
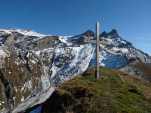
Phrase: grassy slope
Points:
(114, 92)
(146, 69)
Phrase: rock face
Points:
(33, 64)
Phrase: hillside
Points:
(114, 92)
(32, 65)
(139, 70)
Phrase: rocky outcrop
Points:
(32, 66)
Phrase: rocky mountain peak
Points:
(89, 33)
(112, 34)
(104, 34)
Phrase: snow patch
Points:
(24, 32)
(2, 57)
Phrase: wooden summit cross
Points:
(96, 41)
(97, 50)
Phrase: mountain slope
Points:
(114, 92)
(33, 64)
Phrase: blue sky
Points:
(132, 18)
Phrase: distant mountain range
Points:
(33, 64)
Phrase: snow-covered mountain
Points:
(33, 64)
